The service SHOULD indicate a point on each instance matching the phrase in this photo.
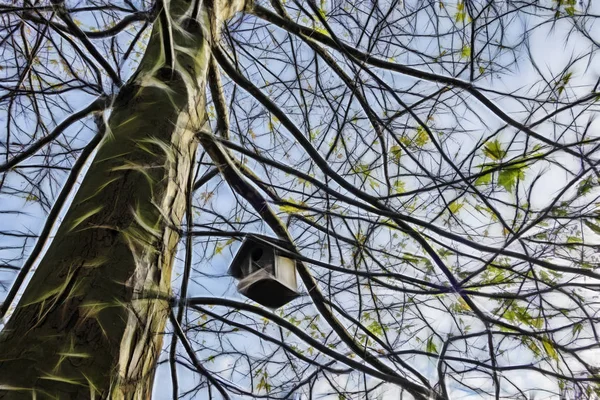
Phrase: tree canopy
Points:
(433, 166)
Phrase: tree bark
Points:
(90, 322)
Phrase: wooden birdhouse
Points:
(265, 275)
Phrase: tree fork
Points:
(90, 322)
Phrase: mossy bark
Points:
(90, 322)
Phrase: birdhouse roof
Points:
(249, 243)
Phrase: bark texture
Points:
(90, 322)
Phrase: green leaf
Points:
(376, 328)
(507, 178)
(445, 253)
(549, 348)
(291, 208)
(485, 179)
(314, 134)
(396, 152)
(532, 345)
(422, 137)
(595, 228)
(460, 12)
(399, 186)
(321, 30)
(263, 384)
(537, 323)
(431, 347)
(494, 150)
(362, 169)
(220, 247)
(455, 206)
(577, 328)
(373, 183)
(465, 52)
(462, 305)
(585, 186)
(32, 197)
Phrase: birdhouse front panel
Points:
(262, 257)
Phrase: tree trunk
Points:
(90, 322)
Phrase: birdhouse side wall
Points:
(286, 271)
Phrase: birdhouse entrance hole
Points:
(257, 254)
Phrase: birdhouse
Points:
(265, 275)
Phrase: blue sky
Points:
(551, 51)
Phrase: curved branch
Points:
(293, 27)
(236, 181)
(97, 105)
(103, 34)
(420, 393)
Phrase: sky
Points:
(549, 49)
